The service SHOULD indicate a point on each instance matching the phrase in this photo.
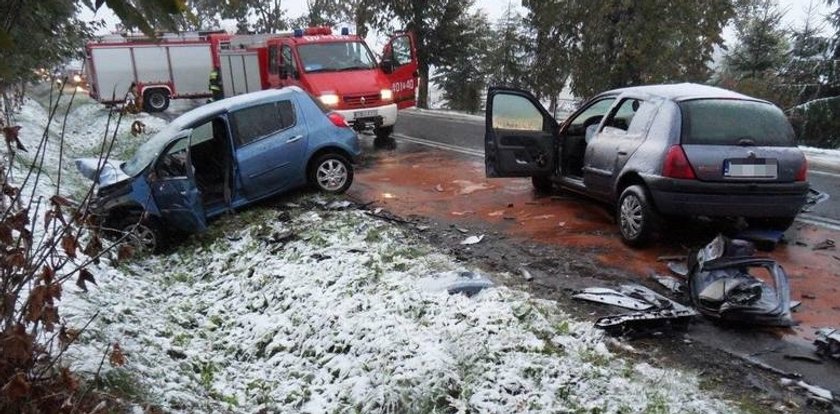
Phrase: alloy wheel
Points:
(331, 174)
(632, 217)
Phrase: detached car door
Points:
(520, 135)
(270, 141)
(173, 187)
(401, 51)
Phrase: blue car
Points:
(223, 156)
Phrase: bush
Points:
(817, 123)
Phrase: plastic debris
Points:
(828, 342)
(655, 313)
(472, 240)
(678, 268)
(454, 282)
(814, 197)
(671, 283)
(721, 286)
(816, 393)
(526, 274)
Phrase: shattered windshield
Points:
(149, 150)
(335, 57)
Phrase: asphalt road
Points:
(466, 134)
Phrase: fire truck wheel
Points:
(384, 133)
(156, 100)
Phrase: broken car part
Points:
(658, 313)
(828, 342)
(722, 284)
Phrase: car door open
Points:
(173, 187)
(520, 135)
(400, 64)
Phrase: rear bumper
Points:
(698, 198)
(380, 116)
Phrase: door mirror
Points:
(387, 65)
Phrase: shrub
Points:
(817, 123)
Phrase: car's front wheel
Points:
(331, 173)
(143, 235)
(636, 216)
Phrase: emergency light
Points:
(298, 33)
(345, 31)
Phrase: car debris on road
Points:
(828, 343)
(654, 312)
(721, 285)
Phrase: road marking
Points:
(439, 145)
(825, 173)
(819, 221)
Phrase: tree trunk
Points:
(423, 89)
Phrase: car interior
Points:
(209, 153)
(575, 137)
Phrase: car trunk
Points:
(728, 140)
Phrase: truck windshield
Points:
(335, 57)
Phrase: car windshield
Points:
(335, 56)
(734, 122)
(149, 150)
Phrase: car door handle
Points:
(295, 138)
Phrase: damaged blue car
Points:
(219, 157)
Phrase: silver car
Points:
(655, 152)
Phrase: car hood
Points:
(111, 172)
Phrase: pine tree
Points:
(808, 59)
(510, 53)
(761, 41)
(551, 43)
(464, 78)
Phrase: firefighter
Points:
(133, 100)
(216, 85)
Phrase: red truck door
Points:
(401, 51)
(283, 68)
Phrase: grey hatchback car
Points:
(655, 152)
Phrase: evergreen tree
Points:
(510, 53)
(439, 26)
(808, 60)
(463, 79)
(551, 44)
(761, 41)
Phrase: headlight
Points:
(329, 99)
(386, 94)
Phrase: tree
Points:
(510, 52)
(761, 41)
(807, 69)
(550, 49)
(464, 78)
(438, 25)
(621, 43)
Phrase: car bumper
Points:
(697, 198)
(368, 118)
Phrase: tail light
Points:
(337, 120)
(676, 164)
(802, 174)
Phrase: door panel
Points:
(174, 190)
(271, 141)
(402, 52)
(520, 135)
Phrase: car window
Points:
(598, 108)
(288, 60)
(401, 50)
(273, 59)
(516, 112)
(734, 122)
(624, 114)
(201, 133)
(335, 56)
(259, 121)
(173, 163)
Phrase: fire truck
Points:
(171, 67)
(337, 69)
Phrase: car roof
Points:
(682, 92)
(233, 103)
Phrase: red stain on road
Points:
(453, 189)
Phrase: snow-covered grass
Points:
(316, 310)
(342, 319)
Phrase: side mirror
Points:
(283, 72)
(387, 65)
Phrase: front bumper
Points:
(369, 118)
(698, 198)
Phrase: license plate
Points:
(364, 114)
(751, 168)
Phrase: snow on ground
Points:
(314, 310)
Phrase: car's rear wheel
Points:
(772, 223)
(542, 184)
(636, 216)
(331, 173)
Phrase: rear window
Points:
(734, 122)
(262, 120)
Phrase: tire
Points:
(155, 100)
(636, 217)
(383, 133)
(542, 184)
(145, 236)
(772, 223)
(331, 173)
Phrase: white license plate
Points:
(757, 168)
(364, 114)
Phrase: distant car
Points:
(223, 156)
(654, 152)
